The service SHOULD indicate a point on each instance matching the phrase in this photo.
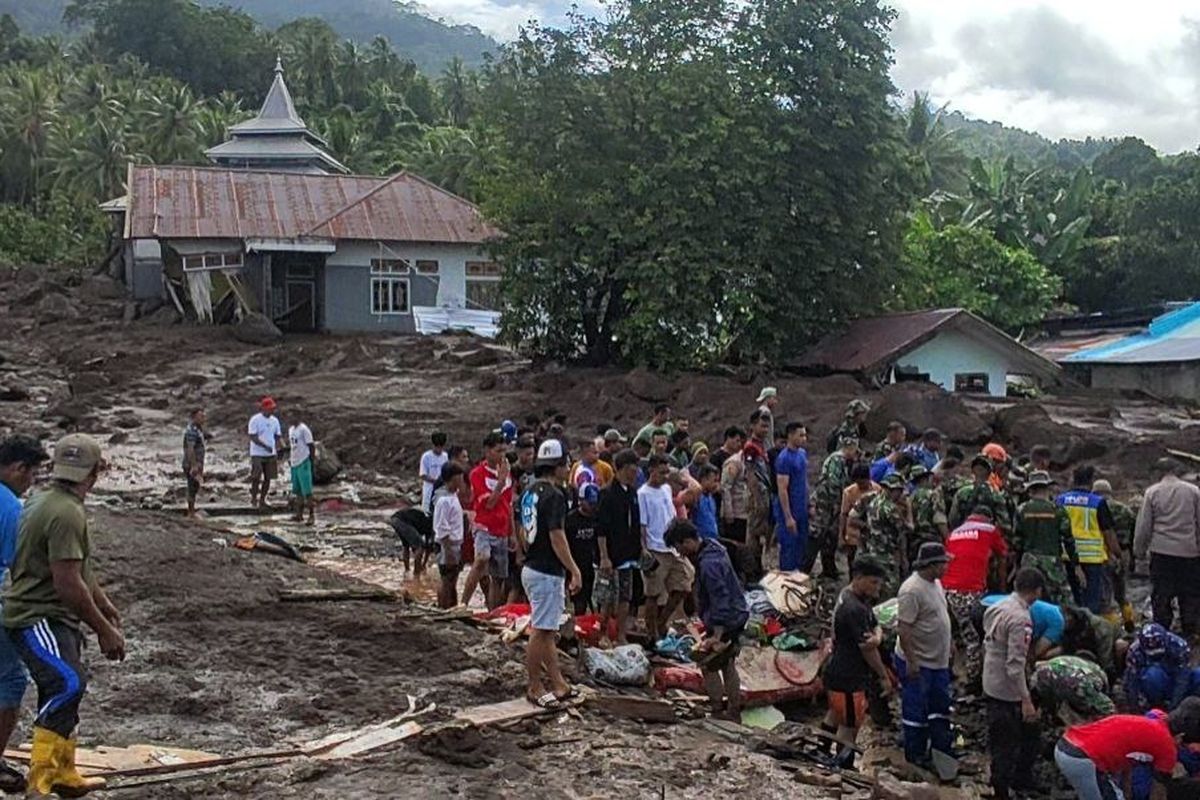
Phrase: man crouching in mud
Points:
(53, 590)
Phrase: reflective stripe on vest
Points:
(1082, 511)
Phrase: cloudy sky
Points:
(1067, 68)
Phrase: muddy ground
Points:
(218, 662)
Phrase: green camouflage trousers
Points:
(1058, 589)
(962, 607)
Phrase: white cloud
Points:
(1065, 69)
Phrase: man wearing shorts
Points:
(301, 459)
(855, 661)
(548, 562)
(20, 459)
(667, 575)
(265, 436)
(619, 543)
(492, 491)
(448, 532)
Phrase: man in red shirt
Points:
(492, 490)
(1095, 757)
(971, 547)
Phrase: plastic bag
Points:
(622, 666)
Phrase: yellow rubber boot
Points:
(42, 767)
(67, 780)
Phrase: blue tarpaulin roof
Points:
(1175, 336)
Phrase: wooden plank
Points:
(633, 707)
(1183, 454)
(372, 741)
(506, 711)
(336, 595)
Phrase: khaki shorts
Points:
(673, 573)
(264, 467)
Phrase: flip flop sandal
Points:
(572, 694)
(547, 702)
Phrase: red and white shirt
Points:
(972, 545)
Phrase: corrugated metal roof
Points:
(177, 202)
(873, 343)
(1173, 337)
(1060, 347)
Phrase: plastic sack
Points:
(622, 666)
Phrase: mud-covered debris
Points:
(920, 406)
(257, 329)
(12, 392)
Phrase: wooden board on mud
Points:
(108, 760)
(506, 711)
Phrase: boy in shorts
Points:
(448, 532)
(855, 661)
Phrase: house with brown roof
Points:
(277, 225)
(950, 347)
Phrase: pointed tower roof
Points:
(276, 139)
(278, 112)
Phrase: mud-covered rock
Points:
(13, 392)
(1024, 425)
(102, 287)
(257, 329)
(55, 307)
(326, 466)
(922, 405)
(86, 382)
(646, 385)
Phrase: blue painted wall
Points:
(348, 301)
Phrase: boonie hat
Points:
(551, 454)
(767, 392)
(1039, 478)
(980, 460)
(918, 472)
(847, 441)
(931, 553)
(893, 481)
(1101, 486)
(614, 435)
(75, 456)
(858, 407)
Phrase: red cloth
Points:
(971, 545)
(496, 520)
(1113, 741)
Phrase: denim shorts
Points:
(495, 550)
(547, 598)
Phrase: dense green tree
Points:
(941, 161)
(1132, 162)
(965, 267)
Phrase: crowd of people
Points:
(1003, 590)
(991, 566)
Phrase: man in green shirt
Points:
(53, 590)
(1043, 538)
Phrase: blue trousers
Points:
(925, 711)
(791, 545)
(1092, 597)
(1157, 684)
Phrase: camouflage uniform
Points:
(943, 499)
(1043, 537)
(925, 527)
(1077, 682)
(1124, 520)
(972, 495)
(885, 449)
(835, 477)
(887, 533)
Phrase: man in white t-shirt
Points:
(430, 472)
(265, 436)
(666, 575)
(301, 440)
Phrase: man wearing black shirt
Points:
(547, 562)
(619, 541)
(855, 660)
(581, 537)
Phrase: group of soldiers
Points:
(887, 500)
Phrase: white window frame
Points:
(200, 262)
(390, 273)
(469, 278)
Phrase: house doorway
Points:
(296, 279)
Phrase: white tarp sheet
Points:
(431, 319)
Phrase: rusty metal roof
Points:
(181, 202)
(873, 343)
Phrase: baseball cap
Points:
(614, 435)
(893, 481)
(75, 456)
(550, 454)
(267, 403)
(768, 391)
(590, 494)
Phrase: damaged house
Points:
(276, 225)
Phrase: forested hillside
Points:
(673, 192)
(431, 43)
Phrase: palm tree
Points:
(29, 110)
(943, 164)
(170, 128)
(458, 89)
(91, 157)
(217, 115)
